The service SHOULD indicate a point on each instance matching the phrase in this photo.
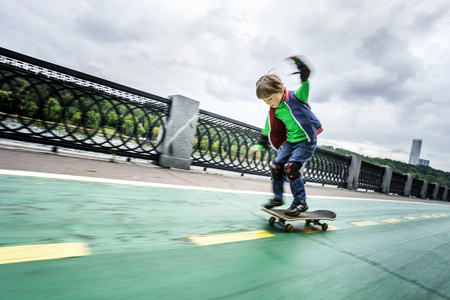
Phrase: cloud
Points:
(380, 68)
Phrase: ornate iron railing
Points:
(45, 103)
(327, 167)
(398, 183)
(416, 187)
(430, 190)
(440, 195)
(371, 177)
(49, 104)
(223, 143)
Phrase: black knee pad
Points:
(276, 170)
(292, 169)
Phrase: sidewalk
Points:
(121, 232)
(15, 156)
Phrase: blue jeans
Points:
(300, 152)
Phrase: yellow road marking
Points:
(409, 218)
(313, 229)
(392, 221)
(363, 223)
(24, 253)
(214, 239)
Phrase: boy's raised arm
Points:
(302, 92)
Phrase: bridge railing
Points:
(45, 103)
(327, 167)
(416, 188)
(398, 183)
(371, 177)
(49, 104)
(223, 143)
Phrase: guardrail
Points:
(371, 177)
(45, 103)
(327, 167)
(398, 183)
(49, 104)
(224, 143)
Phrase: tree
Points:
(92, 120)
(76, 119)
(5, 101)
(52, 110)
(111, 118)
(132, 127)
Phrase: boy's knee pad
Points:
(276, 170)
(292, 169)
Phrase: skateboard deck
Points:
(308, 216)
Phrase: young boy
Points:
(292, 125)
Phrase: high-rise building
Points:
(414, 156)
(424, 162)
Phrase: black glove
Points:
(264, 141)
(304, 70)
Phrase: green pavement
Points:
(139, 240)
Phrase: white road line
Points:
(184, 187)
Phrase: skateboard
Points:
(308, 216)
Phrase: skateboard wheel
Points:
(272, 220)
(324, 227)
(289, 228)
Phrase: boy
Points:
(292, 125)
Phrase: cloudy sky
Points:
(380, 68)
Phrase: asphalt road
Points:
(132, 230)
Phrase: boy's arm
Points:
(263, 143)
(303, 91)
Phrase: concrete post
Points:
(445, 193)
(387, 177)
(408, 185)
(423, 191)
(436, 191)
(353, 172)
(179, 133)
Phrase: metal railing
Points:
(416, 187)
(430, 190)
(327, 167)
(398, 183)
(440, 195)
(49, 104)
(371, 177)
(45, 103)
(224, 143)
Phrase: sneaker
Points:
(296, 209)
(273, 202)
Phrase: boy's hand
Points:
(262, 144)
(296, 60)
(304, 70)
(254, 149)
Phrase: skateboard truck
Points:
(289, 227)
(314, 217)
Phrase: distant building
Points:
(424, 162)
(414, 156)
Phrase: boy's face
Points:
(274, 100)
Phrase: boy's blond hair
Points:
(267, 85)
